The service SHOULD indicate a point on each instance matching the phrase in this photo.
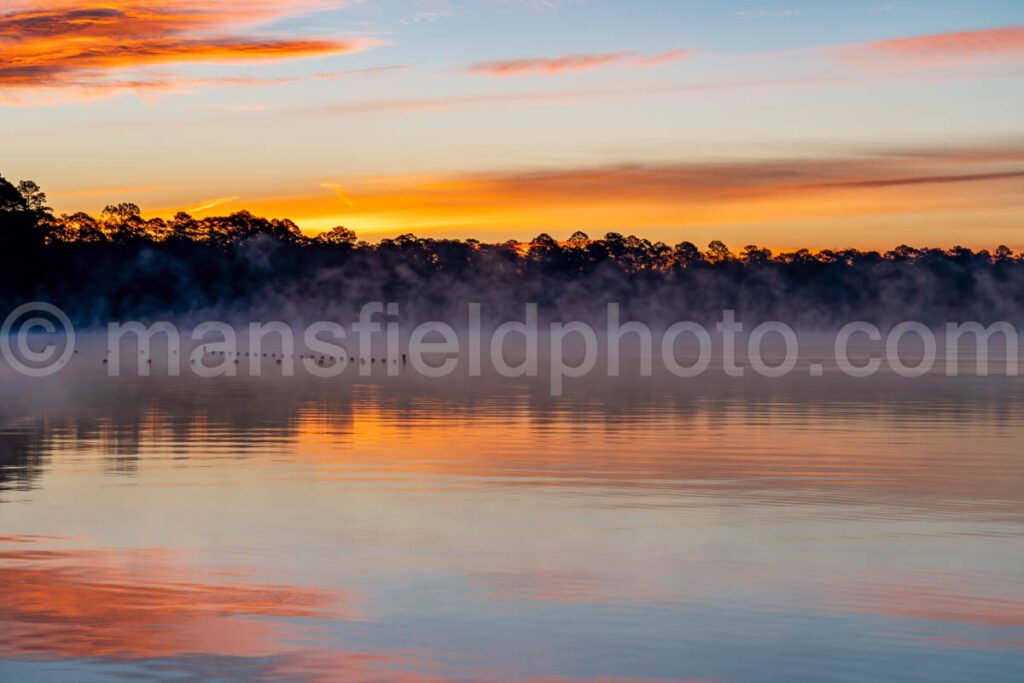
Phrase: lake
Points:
(478, 529)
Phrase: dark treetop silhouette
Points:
(122, 266)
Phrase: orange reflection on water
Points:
(140, 603)
(965, 599)
(766, 508)
(146, 605)
(860, 454)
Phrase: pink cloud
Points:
(576, 62)
(943, 49)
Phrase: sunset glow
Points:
(845, 125)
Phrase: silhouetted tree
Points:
(20, 228)
(122, 264)
(35, 198)
(78, 227)
(184, 228)
(10, 199)
(754, 255)
(687, 254)
(338, 236)
(718, 252)
(123, 223)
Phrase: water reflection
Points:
(136, 604)
(21, 458)
(476, 530)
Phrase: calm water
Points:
(475, 530)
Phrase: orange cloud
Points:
(580, 62)
(943, 49)
(882, 185)
(85, 43)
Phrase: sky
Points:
(788, 124)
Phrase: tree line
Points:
(122, 264)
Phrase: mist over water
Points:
(480, 529)
(256, 272)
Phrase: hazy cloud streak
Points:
(942, 49)
(578, 62)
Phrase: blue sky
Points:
(786, 124)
